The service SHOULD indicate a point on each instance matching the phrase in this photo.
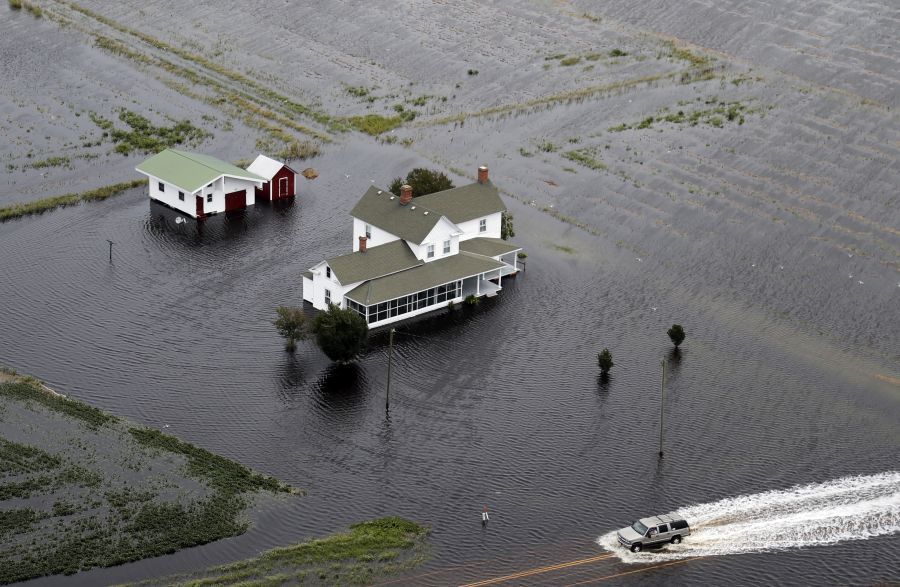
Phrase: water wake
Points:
(851, 508)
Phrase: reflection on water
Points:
(498, 405)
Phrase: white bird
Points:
(347, 176)
(850, 255)
(753, 265)
(165, 425)
(850, 276)
(653, 308)
(638, 259)
(860, 282)
(781, 267)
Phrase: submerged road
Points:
(585, 573)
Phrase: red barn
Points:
(281, 180)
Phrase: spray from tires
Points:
(850, 508)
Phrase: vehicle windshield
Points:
(639, 528)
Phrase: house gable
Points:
(381, 208)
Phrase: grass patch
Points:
(375, 124)
(146, 137)
(569, 61)
(94, 516)
(222, 474)
(51, 162)
(585, 157)
(618, 53)
(31, 391)
(32, 8)
(45, 204)
(716, 114)
(564, 249)
(368, 550)
(16, 459)
(299, 150)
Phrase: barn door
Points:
(200, 213)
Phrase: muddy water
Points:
(499, 407)
(748, 235)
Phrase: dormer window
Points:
(430, 250)
(447, 247)
(482, 225)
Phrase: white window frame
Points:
(482, 225)
(327, 297)
(368, 231)
(447, 247)
(209, 198)
(429, 251)
(328, 272)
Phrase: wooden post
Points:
(662, 408)
(387, 397)
(110, 249)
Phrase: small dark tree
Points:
(676, 333)
(341, 334)
(423, 181)
(293, 325)
(604, 361)
(506, 226)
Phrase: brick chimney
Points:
(405, 194)
(483, 174)
(362, 244)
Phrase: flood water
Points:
(499, 407)
(774, 242)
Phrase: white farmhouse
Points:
(199, 185)
(416, 256)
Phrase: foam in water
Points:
(851, 508)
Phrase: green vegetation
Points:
(569, 61)
(564, 249)
(686, 55)
(340, 333)
(617, 53)
(605, 361)
(375, 124)
(358, 557)
(472, 72)
(299, 150)
(676, 334)
(222, 474)
(107, 495)
(32, 8)
(358, 91)
(586, 158)
(716, 114)
(293, 325)
(146, 137)
(51, 162)
(53, 202)
(471, 300)
(507, 231)
(30, 390)
(423, 181)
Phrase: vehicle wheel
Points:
(636, 547)
(676, 539)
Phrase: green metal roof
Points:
(412, 222)
(422, 277)
(375, 262)
(489, 247)
(191, 171)
(465, 202)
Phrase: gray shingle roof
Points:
(465, 202)
(489, 247)
(375, 262)
(409, 222)
(422, 277)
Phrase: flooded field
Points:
(746, 190)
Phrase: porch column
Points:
(478, 285)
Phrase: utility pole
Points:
(662, 404)
(110, 249)
(387, 397)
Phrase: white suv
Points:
(654, 531)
